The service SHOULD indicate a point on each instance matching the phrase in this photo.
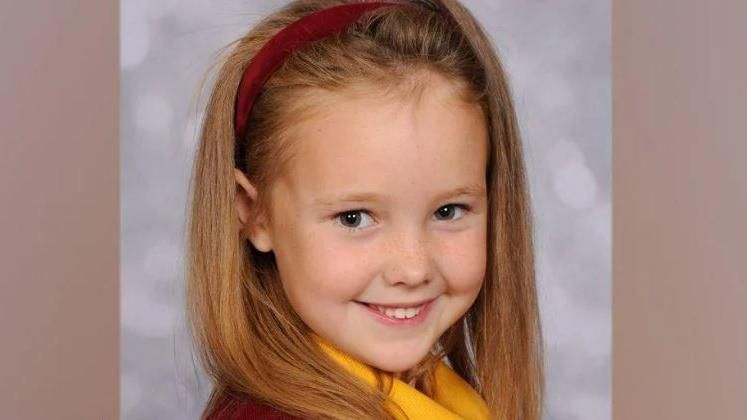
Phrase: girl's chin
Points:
(397, 365)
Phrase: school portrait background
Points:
(557, 56)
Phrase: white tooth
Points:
(399, 313)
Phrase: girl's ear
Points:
(253, 224)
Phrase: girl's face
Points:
(384, 203)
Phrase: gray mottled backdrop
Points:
(558, 58)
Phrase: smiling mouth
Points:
(399, 311)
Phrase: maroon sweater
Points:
(247, 409)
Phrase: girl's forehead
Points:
(366, 109)
(378, 142)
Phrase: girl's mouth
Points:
(403, 316)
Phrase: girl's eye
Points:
(447, 212)
(356, 220)
(352, 219)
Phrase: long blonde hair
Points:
(247, 335)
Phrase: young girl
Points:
(359, 239)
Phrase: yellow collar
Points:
(454, 398)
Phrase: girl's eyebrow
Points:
(363, 197)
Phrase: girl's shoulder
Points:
(248, 409)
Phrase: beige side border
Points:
(680, 207)
(59, 197)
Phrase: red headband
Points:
(298, 34)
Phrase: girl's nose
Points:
(409, 261)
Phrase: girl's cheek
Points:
(463, 261)
(338, 265)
